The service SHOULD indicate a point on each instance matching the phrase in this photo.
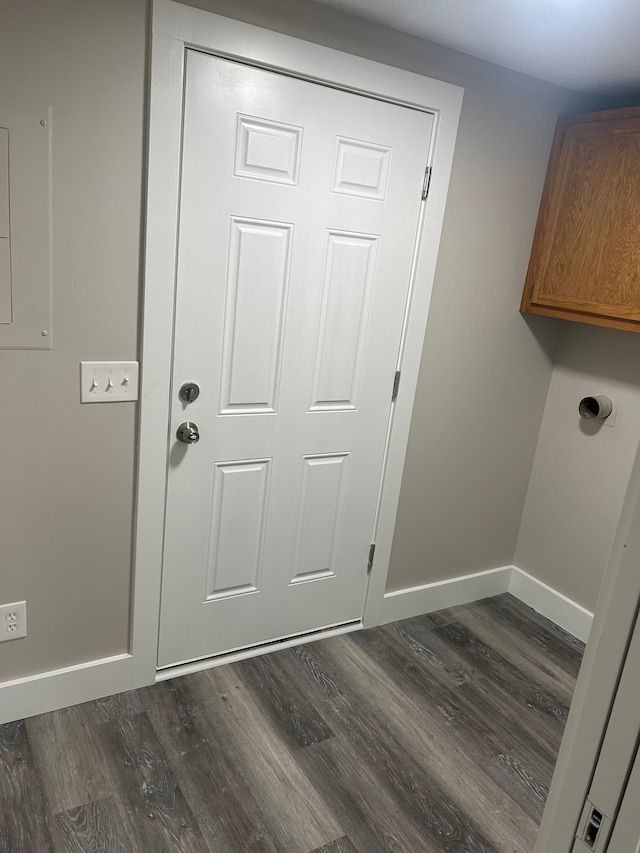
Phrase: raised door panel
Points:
(255, 305)
(320, 516)
(239, 499)
(267, 150)
(348, 281)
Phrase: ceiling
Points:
(587, 45)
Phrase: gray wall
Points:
(68, 473)
(581, 469)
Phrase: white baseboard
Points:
(59, 688)
(49, 691)
(416, 600)
(550, 603)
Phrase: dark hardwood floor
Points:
(435, 734)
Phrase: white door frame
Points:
(175, 27)
(597, 685)
(626, 834)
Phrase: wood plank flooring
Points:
(435, 734)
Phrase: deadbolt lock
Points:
(189, 392)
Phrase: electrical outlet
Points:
(13, 620)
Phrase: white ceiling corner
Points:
(590, 46)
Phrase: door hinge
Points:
(372, 552)
(562, 140)
(427, 182)
(396, 385)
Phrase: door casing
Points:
(596, 689)
(176, 27)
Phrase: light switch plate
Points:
(108, 381)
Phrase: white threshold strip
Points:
(175, 670)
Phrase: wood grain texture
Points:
(23, 817)
(585, 258)
(433, 735)
(479, 697)
(147, 785)
(298, 817)
(69, 754)
(556, 648)
(115, 707)
(367, 811)
(228, 814)
(414, 763)
(290, 710)
(341, 845)
(96, 826)
(480, 727)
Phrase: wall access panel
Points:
(25, 228)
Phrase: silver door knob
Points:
(188, 433)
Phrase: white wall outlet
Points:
(108, 381)
(13, 620)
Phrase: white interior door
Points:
(298, 224)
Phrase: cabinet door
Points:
(585, 260)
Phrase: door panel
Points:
(349, 265)
(238, 501)
(257, 279)
(298, 221)
(320, 511)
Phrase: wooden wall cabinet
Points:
(585, 259)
